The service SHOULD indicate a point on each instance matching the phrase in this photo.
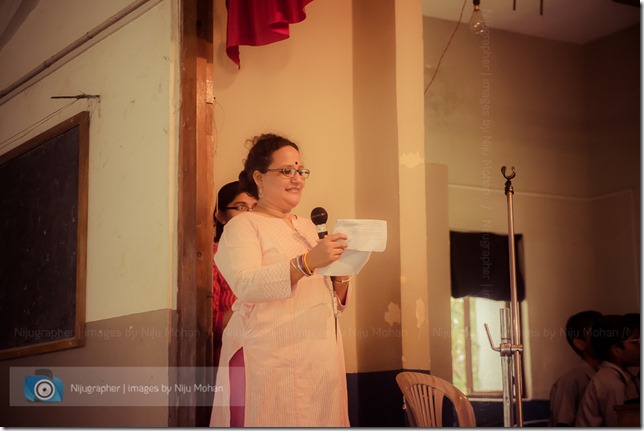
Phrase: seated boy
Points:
(570, 387)
(616, 340)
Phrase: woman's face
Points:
(243, 202)
(281, 191)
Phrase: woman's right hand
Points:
(328, 250)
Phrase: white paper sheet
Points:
(365, 236)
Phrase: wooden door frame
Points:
(191, 338)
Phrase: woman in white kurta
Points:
(284, 321)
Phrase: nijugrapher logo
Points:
(43, 387)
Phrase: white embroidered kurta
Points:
(294, 362)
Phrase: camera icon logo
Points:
(43, 387)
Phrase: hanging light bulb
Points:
(477, 23)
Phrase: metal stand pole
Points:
(506, 366)
(510, 347)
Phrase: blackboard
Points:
(43, 238)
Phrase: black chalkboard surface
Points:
(43, 232)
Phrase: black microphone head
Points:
(319, 215)
(319, 218)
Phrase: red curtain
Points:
(260, 22)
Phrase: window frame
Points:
(470, 392)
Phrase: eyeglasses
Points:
(290, 172)
(240, 207)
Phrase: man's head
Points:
(578, 331)
(615, 338)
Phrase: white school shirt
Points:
(609, 387)
(567, 392)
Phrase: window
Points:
(480, 285)
(476, 367)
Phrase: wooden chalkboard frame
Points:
(81, 121)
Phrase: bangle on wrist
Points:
(306, 266)
(301, 266)
(297, 266)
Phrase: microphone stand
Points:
(510, 347)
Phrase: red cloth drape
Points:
(260, 22)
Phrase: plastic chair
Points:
(423, 400)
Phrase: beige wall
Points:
(107, 348)
(528, 105)
(49, 28)
(132, 172)
(304, 87)
(301, 88)
(613, 102)
(376, 332)
(339, 100)
(131, 237)
(347, 87)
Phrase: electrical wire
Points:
(460, 17)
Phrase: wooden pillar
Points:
(191, 339)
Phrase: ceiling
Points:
(575, 21)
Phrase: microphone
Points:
(319, 218)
